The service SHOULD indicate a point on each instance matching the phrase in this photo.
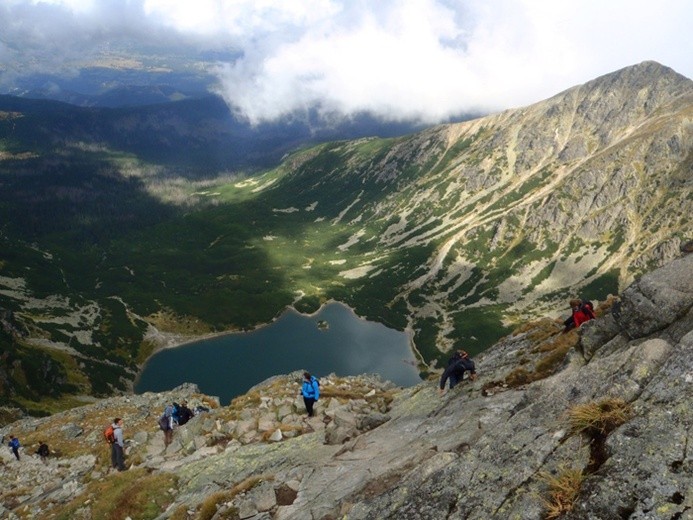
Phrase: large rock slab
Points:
(658, 299)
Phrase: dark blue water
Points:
(229, 365)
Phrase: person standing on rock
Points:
(166, 424)
(458, 364)
(310, 391)
(14, 445)
(184, 413)
(118, 446)
(43, 451)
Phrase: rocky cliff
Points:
(592, 424)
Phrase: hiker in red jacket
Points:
(582, 312)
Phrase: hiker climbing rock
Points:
(458, 364)
(582, 311)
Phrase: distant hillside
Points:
(192, 137)
(456, 233)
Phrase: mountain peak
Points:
(649, 75)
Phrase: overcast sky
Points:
(425, 59)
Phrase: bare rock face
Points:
(658, 299)
(490, 452)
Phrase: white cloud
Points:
(425, 59)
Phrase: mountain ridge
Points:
(535, 148)
(197, 136)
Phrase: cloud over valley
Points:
(424, 60)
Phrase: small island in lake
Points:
(323, 325)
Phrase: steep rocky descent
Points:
(487, 449)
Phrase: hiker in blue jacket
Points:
(14, 445)
(458, 364)
(310, 391)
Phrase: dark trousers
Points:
(309, 402)
(117, 457)
(454, 380)
(16, 452)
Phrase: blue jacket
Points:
(311, 388)
(14, 443)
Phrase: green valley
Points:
(456, 233)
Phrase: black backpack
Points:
(587, 307)
(463, 365)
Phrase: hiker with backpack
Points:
(458, 364)
(175, 414)
(114, 436)
(43, 451)
(14, 445)
(184, 413)
(582, 311)
(166, 423)
(310, 391)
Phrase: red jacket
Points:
(580, 316)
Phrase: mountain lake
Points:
(333, 340)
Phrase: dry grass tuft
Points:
(205, 400)
(240, 403)
(249, 483)
(553, 350)
(539, 329)
(518, 377)
(209, 507)
(563, 491)
(605, 306)
(561, 342)
(211, 504)
(134, 493)
(600, 417)
(291, 428)
(354, 393)
(180, 513)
